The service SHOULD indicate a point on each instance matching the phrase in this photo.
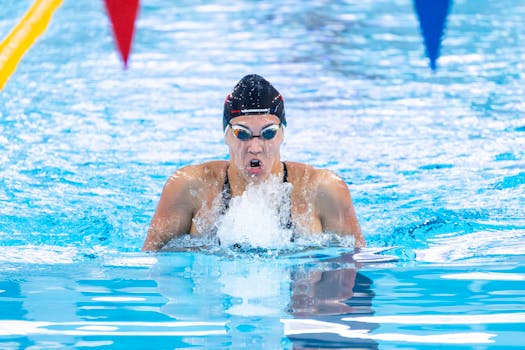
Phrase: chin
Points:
(256, 177)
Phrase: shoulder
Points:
(300, 172)
(200, 172)
(315, 177)
(192, 178)
(325, 188)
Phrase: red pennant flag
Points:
(122, 14)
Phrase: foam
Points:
(251, 218)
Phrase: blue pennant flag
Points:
(432, 15)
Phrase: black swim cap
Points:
(253, 95)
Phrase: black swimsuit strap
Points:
(289, 224)
(226, 193)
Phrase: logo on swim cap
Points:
(253, 95)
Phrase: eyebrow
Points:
(247, 127)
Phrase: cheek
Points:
(272, 149)
(237, 152)
(274, 146)
(228, 139)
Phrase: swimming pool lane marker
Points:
(24, 35)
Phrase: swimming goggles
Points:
(245, 134)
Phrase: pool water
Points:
(434, 161)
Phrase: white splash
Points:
(257, 217)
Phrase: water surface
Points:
(434, 161)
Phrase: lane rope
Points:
(24, 35)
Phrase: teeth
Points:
(254, 163)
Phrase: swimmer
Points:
(195, 197)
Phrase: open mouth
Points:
(255, 167)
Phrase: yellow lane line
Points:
(24, 35)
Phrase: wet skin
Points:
(190, 200)
(264, 154)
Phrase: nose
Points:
(255, 145)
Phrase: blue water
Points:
(434, 161)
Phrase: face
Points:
(256, 157)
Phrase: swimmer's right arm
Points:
(174, 212)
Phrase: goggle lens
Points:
(269, 132)
(241, 133)
(245, 134)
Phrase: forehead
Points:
(255, 120)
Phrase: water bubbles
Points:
(258, 217)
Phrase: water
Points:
(435, 164)
(270, 202)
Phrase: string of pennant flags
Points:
(122, 14)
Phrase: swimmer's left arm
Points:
(335, 207)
